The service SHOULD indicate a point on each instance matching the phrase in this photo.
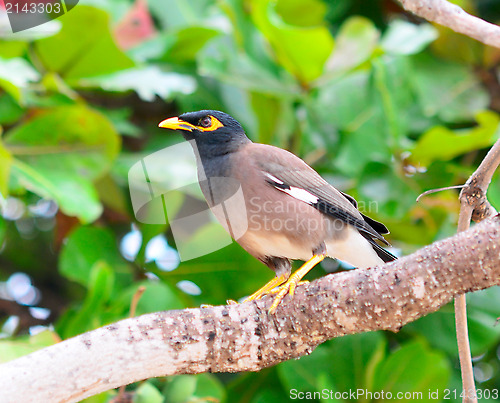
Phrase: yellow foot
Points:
(267, 288)
(278, 289)
(294, 280)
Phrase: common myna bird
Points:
(287, 212)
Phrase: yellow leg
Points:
(291, 283)
(266, 289)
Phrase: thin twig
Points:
(431, 191)
(473, 204)
(463, 345)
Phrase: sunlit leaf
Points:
(148, 82)
(87, 52)
(15, 75)
(14, 48)
(83, 140)
(75, 198)
(181, 13)
(58, 145)
(187, 43)
(302, 50)
(293, 12)
(405, 38)
(5, 166)
(441, 143)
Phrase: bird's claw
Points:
(284, 289)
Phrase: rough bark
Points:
(245, 337)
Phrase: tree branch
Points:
(454, 17)
(245, 337)
(473, 205)
(474, 192)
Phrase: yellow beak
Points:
(176, 124)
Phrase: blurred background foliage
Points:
(382, 104)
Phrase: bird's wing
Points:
(289, 174)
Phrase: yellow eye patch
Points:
(206, 124)
(209, 124)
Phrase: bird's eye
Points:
(206, 121)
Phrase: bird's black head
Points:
(215, 132)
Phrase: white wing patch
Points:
(300, 194)
(297, 193)
(274, 178)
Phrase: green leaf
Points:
(292, 12)
(60, 152)
(180, 389)
(208, 389)
(405, 38)
(44, 30)
(187, 43)
(14, 48)
(3, 227)
(120, 118)
(441, 143)
(354, 44)
(267, 112)
(12, 349)
(74, 138)
(303, 51)
(84, 248)
(87, 52)
(306, 373)
(412, 368)
(5, 168)
(157, 297)
(385, 191)
(147, 393)
(439, 327)
(222, 61)
(494, 191)
(208, 238)
(10, 110)
(148, 82)
(360, 355)
(181, 13)
(77, 199)
(89, 315)
(15, 75)
(447, 90)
